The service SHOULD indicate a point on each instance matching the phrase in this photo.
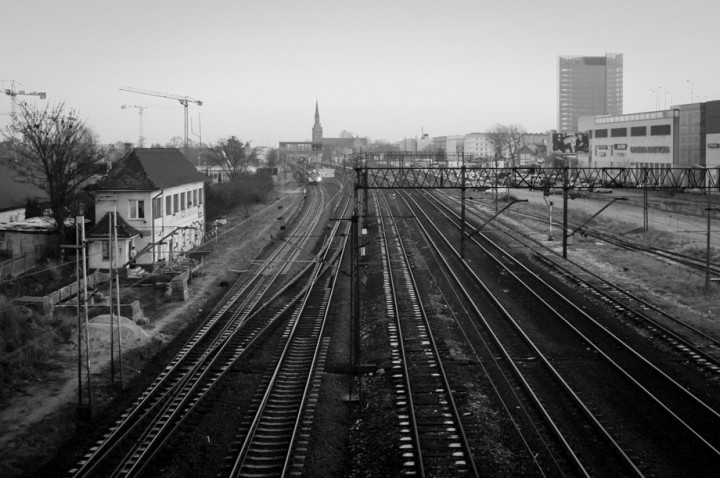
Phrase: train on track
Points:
(314, 177)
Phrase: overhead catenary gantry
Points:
(389, 171)
(184, 100)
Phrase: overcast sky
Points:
(384, 69)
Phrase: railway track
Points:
(432, 439)
(275, 433)
(694, 263)
(688, 342)
(569, 335)
(253, 307)
(559, 431)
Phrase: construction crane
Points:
(13, 94)
(141, 110)
(184, 100)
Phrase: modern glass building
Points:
(588, 86)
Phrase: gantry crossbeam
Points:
(535, 178)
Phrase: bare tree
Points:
(498, 137)
(346, 134)
(233, 156)
(176, 142)
(515, 136)
(55, 151)
(506, 140)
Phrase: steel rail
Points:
(704, 358)
(466, 462)
(288, 357)
(577, 463)
(617, 340)
(187, 400)
(137, 414)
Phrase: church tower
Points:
(317, 136)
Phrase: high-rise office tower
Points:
(588, 85)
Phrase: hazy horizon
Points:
(383, 70)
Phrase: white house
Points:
(159, 198)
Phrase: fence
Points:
(17, 265)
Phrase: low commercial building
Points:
(683, 136)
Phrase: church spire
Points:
(317, 133)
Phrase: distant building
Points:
(415, 145)
(478, 146)
(588, 86)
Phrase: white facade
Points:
(455, 145)
(478, 145)
(172, 219)
(641, 140)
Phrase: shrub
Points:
(25, 345)
(245, 190)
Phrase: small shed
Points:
(100, 242)
(35, 236)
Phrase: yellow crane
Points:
(13, 94)
(184, 100)
(141, 109)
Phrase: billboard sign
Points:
(570, 142)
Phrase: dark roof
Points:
(149, 169)
(124, 230)
(14, 194)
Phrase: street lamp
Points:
(664, 97)
(657, 98)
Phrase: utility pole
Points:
(565, 212)
(117, 291)
(462, 209)
(115, 328)
(84, 406)
(355, 281)
(709, 211)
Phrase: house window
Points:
(168, 205)
(137, 209)
(105, 250)
(190, 199)
(200, 195)
(157, 208)
(176, 203)
(195, 196)
(182, 201)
